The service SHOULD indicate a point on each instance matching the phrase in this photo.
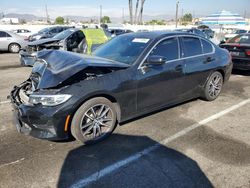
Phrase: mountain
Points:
(27, 17)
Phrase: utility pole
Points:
(47, 14)
(245, 14)
(176, 14)
(100, 19)
(123, 17)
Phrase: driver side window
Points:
(168, 48)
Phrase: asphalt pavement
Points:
(194, 144)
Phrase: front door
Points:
(159, 85)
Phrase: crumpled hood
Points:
(58, 65)
(43, 41)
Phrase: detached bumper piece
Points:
(26, 59)
(33, 121)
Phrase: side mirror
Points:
(155, 60)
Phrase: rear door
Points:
(198, 61)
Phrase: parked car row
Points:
(195, 31)
(74, 40)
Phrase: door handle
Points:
(179, 68)
(208, 60)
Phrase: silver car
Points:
(11, 42)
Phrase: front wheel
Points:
(213, 86)
(94, 120)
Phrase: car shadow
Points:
(241, 72)
(163, 167)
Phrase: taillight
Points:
(248, 52)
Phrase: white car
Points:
(22, 32)
(11, 42)
(237, 32)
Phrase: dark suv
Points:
(48, 32)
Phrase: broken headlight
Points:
(49, 100)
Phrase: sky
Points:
(113, 8)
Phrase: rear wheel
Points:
(94, 120)
(14, 48)
(213, 86)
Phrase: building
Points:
(224, 18)
(9, 21)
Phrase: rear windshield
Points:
(240, 39)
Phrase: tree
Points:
(156, 22)
(23, 21)
(105, 19)
(141, 11)
(59, 20)
(136, 10)
(130, 4)
(187, 18)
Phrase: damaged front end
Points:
(37, 115)
(43, 103)
(29, 53)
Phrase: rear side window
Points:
(168, 48)
(191, 46)
(207, 47)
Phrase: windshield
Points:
(44, 30)
(125, 49)
(64, 34)
(240, 39)
(240, 31)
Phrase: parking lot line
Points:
(113, 167)
(4, 102)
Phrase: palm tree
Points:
(130, 4)
(141, 11)
(136, 10)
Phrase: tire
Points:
(213, 86)
(94, 121)
(14, 48)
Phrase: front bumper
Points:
(241, 63)
(27, 59)
(39, 121)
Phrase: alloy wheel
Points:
(215, 86)
(97, 121)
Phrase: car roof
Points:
(158, 34)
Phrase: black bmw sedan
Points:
(131, 75)
(239, 48)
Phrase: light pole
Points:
(176, 13)
(123, 17)
(100, 19)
